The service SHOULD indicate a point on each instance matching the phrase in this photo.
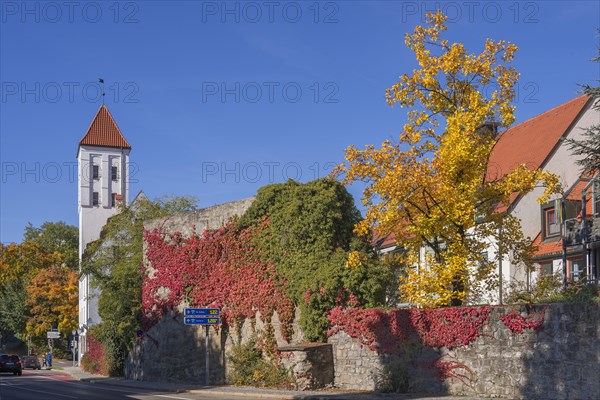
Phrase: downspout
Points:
(564, 245)
(500, 264)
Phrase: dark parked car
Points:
(31, 362)
(11, 363)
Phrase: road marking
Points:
(45, 392)
(172, 397)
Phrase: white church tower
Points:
(103, 176)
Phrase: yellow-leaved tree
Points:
(429, 188)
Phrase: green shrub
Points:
(250, 368)
(574, 293)
(309, 237)
(394, 378)
(549, 289)
(89, 365)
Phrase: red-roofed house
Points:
(538, 143)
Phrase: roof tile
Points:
(104, 132)
(532, 141)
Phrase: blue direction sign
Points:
(202, 312)
(202, 320)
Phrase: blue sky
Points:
(218, 99)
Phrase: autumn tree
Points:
(56, 237)
(52, 298)
(429, 187)
(589, 146)
(29, 267)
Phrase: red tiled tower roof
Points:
(104, 132)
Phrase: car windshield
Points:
(4, 357)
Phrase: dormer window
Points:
(114, 173)
(95, 171)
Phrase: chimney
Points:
(489, 126)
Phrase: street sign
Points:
(52, 335)
(202, 312)
(201, 321)
(206, 317)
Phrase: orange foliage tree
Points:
(53, 301)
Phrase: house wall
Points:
(562, 163)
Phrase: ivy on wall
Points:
(290, 249)
(220, 268)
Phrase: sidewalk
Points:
(247, 392)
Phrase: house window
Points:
(95, 199)
(552, 227)
(484, 261)
(576, 269)
(546, 269)
(114, 173)
(96, 172)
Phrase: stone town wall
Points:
(173, 352)
(198, 221)
(558, 361)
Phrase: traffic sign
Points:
(52, 335)
(202, 312)
(201, 321)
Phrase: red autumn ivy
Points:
(386, 331)
(518, 323)
(220, 268)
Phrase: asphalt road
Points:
(56, 385)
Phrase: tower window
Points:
(96, 172)
(113, 199)
(114, 173)
(95, 199)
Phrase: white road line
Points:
(100, 386)
(44, 392)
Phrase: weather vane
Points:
(103, 94)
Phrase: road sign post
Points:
(206, 317)
(206, 379)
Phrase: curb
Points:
(256, 395)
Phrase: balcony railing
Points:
(578, 230)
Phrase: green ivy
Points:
(308, 240)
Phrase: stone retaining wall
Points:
(559, 361)
(311, 364)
